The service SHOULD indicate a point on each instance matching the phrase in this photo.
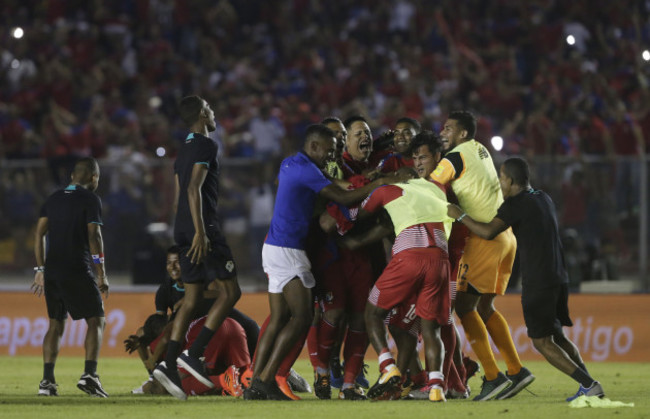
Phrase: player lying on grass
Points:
(225, 356)
(170, 296)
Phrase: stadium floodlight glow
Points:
(571, 40)
(646, 55)
(160, 151)
(155, 102)
(18, 32)
(497, 142)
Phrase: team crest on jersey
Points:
(230, 265)
(329, 297)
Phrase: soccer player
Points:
(204, 252)
(225, 355)
(419, 267)
(172, 290)
(72, 275)
(457, 376)
(544, 296)
(334, 169)
(405, 130)
(485, 266)
(346, 279)
(169, 298)
(284, 259)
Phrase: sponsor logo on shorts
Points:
(230, 265)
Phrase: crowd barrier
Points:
(606, 327)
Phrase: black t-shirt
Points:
(68, 212)
(167, 295)
(198, 149)
(534, 222)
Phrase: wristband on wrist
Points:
(461, 217)
(97, 259)
(39, 268)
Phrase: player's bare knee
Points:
(357, 322)
(542, 344)
(96, 322)
(373, 312)
(560, 339)
(231, 291)
(303, 323)
(333, 317)
(485, 306)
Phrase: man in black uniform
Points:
(172, 289)
(171, 295)
(204, 253)
(531, 214)
(71, 218)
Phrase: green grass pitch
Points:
(19, 377)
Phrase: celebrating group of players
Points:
(340, 206)
(319, 200)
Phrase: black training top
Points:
(198, 149)
(68, 212)
(167, 295)
(534, 222)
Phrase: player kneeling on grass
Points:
(544, 296)
(225, 356)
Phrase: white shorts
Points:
(282, 264)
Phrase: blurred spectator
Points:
(261, 199)
(267, 131)
(104, 78)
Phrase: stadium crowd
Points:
(88, 77)
(550, 79)
(81, 78)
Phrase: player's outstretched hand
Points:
(37, 285)
(200, 247)
(454, 211)
(102, 284)
(132, 343)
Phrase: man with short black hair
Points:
(545, 295)
(204, 253)
(392, 147)
(300, 182)
(485, 266)
(72, 275)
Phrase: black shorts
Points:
(546, 310)
(76, 294)
(217, 264)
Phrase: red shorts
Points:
(347, 282)
(227, 347)
(403, 316)
(193, 387)
(422, 272)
